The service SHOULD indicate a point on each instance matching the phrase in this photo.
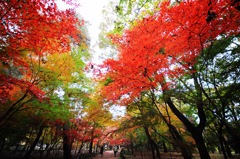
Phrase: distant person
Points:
(101, 151)
(115, 150)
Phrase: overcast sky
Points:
(91, 11)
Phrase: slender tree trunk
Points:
(66, 142)
(151, 142)
(11, 109)
(39, 134)
(157, 150)
(164, 147)
(228, 149)
(198, 138)
(152, 149)
(185, 150)
(195, 131)
(92, 138)
(91, 146)
(220, 137)
(234, 133)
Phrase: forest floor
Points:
(147, 155)
(108, 154)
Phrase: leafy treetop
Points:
(166, 45)
(33, 29)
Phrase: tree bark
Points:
(186, 152)
(92, 138)
(165, 147)
(152, 144)
(39, 134)
(67, 147)
(195, 131)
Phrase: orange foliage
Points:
(166, 44)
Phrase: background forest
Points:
(173, 65)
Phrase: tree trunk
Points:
(92, 138)
(157, 150)
(11, 110)
(151, 142)
(220, 137)
(66, 142)
(195, 131)
(226, 145)
(198, 138)
(185, 150)
(234, 133)
(91, 146)
(39, 134)
(164, 147)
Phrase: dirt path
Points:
(107, 155)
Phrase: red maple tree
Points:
(31, 29)
(166, 45)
